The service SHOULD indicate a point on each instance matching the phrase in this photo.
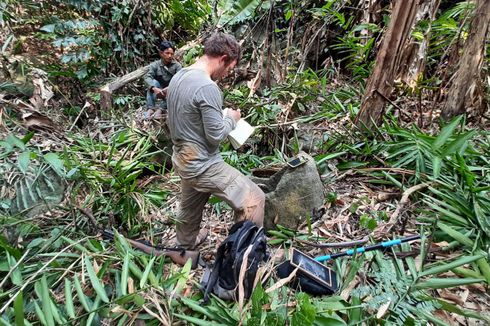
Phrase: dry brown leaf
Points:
(383, 309)
(254, 83)
(282, 282)
(43, 92)
(130, 285)
(448, 295)
(36, 120)
(464, 295)
(445, 316)
(241, 277)
(346, 293)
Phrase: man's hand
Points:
(234, 114)
(159, 92)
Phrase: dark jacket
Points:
(161, 73)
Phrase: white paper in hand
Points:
(240, 134)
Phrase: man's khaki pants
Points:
(226, 183)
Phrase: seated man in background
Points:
(158, 78)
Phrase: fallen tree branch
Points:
(404, 201)
(107, 90)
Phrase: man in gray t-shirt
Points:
(197, 126)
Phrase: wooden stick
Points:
(404, 200)
(107, 90)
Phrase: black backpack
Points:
(222, 279)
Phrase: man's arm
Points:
(216, 128)
(150, 76)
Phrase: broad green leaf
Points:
(197, 321)
(8, 147)
(70, 308)
(446, 133)
(81, 295)
(46, 301)
(456, 235)
(436, 166)
(463, 312)
(56, 314)
(40, 313)
(466, 272)
(184, 276)
(15, 275)
(446, 267)
(482, 215)
(305, 313)
(237, 11)
(459, 144)
(28, 137)
(147, 272)
(135, 270)
(355, 314)
(48, 28)
(19, 309)
(124, 275)
(442, 283)
(484, 268)
(199, 308)
(14, 141)
(328, 157)
(55, 162)
(97, 285)
(95, 306)
(332, 320)
(24, 160)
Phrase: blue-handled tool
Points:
(359, 250)
(315, 278)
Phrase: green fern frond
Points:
(237, 11)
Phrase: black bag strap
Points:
(242, 234)
(220, 254)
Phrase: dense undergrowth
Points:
(55, 268)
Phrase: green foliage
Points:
(93, 287)
(188, 15)
(235, 12)
(454, 165)
(447, 28)
(117, 36)
(356, 49)
(35, 178)
(112, 173)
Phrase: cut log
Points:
(107, 90)
(380, 83)
(462, 90)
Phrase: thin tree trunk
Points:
(465, 80)
(412, 64)
(380, 83)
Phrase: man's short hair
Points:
(166, 45)
(219, 44)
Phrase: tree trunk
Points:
(107, 90)
(412, 64)
(465, 80)
(380, 83)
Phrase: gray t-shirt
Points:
(196, 122)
